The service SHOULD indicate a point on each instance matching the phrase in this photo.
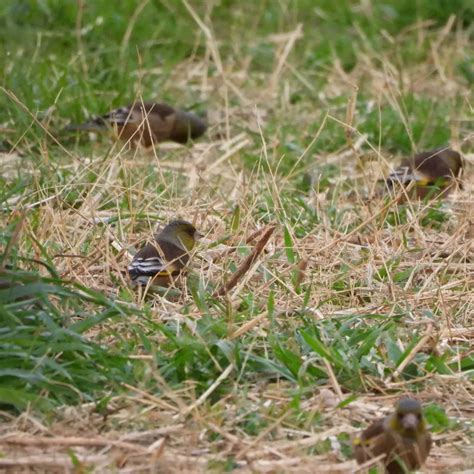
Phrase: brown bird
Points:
(148, 123)
(434, 172)
(158, 264)
(401, 436)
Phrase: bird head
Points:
(453, 160)
(408, 418)
(181, 232)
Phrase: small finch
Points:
(401, 436)
(159, 263)
(436, 171)
(147, 123)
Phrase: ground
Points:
(347, 297)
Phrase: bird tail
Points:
(85, 127)
(404, 175)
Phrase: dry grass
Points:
(340, 242)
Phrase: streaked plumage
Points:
(431, 171)
(165, 259)
(401, 436)
(148, 123)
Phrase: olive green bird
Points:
(161, 262)
(147, 123)
(434, 170)
(401, 436)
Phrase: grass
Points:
(354, 301)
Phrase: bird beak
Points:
(198, 235)
(410, 422)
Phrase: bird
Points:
(147, 123)
(433, 172)
(402, 436)
(161, 262)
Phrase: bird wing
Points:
(401, 175)
(158, 118)
(371, 443)
(162, 260)
(135, 113)
(121, 116)
(405, 175)
(118, 118)
(372, 432)
(148, 263)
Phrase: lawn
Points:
(353, 301)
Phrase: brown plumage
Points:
(401, 436)
(158, 264)
(434, 172)
(148, 123)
